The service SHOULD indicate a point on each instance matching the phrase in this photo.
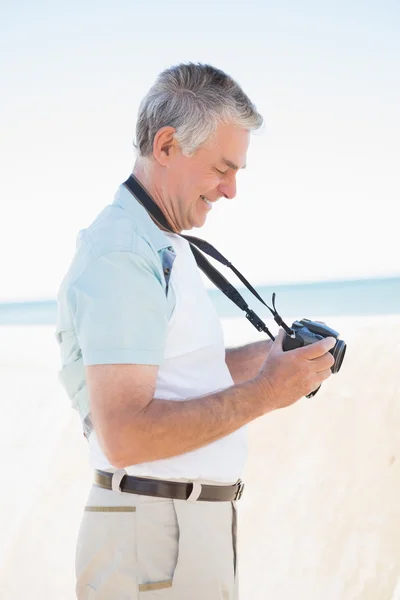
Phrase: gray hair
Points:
(194, 99)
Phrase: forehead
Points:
(228, 146)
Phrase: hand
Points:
(288, 376)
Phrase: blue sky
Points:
(319, 197)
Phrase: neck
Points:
(145, 172)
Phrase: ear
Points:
(165, 145)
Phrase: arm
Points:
(134, 427)
(244, 362)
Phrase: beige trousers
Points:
(134, 547)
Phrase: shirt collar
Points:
(128, 202)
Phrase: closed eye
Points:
(221, 172)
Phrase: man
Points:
(163, 406)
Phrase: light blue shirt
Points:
(114, 302)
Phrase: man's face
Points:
(196, 182)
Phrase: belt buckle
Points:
(239, 492)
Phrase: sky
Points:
(319, 197)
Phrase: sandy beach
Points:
(320, 516)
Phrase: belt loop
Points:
(116, 480)
(195, 493)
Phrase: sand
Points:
(320, 517)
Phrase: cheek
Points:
(209, 182)
(195, 186)
(197, 180)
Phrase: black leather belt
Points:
(170, 489)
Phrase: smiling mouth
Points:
(208, 202)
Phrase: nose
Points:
(227, 188)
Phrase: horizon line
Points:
(296, 283)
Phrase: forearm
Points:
(166, 428)
(245, 362)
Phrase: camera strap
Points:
(198, 247)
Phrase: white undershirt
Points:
(194, 365)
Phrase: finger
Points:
(318, 348)
(322, 375)
(323, 362)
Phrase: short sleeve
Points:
(119, 309)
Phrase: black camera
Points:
(307, 332)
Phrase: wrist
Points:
(261, 394)
(266, 393)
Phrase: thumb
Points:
(279, 339)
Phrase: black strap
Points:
(211, 251)
(138, 191)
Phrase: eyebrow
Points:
(232, 165)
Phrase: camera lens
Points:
(338, 353)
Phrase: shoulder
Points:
(116, 231)
(115, 235)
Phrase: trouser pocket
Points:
(127, 547)
(105, 554)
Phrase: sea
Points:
(358, 297)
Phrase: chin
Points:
(199, 223)
(197, 219)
